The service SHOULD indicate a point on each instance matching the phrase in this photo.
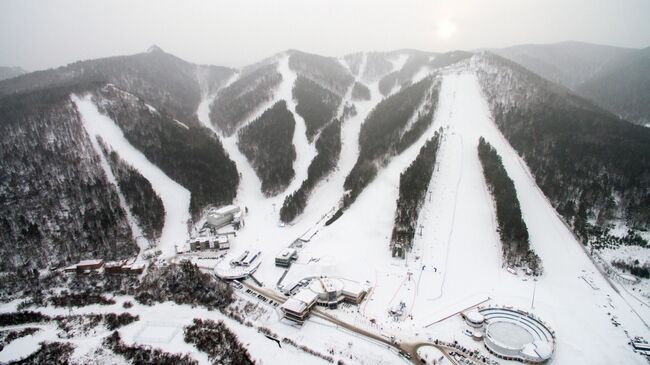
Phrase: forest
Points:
(326, 71)
(593, 166)
(144, 203)
(218, 341)
(413, 186)
(315, 104)
(376, 66)
(328, 149)
(240, 99)
(267, 142)
(190, 156)
(183, 284)
(360, 92)
(515, 244)
(142, 354)
(402, 77)
(391, 127)
(56, 205)
(164, 80)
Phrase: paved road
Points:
(405, 347)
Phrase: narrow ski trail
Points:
(175, 198)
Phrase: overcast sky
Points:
(48, 33)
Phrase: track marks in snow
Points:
(175, 198)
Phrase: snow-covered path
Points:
(329, 191)
(305, 152)
(175, 198)
(356, 246)
(261, 230)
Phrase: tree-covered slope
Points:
(326, 71)
(623, 88)
(143, 202)
(315, 104)
(235, 103)
(267, 144)
(167, 82)
(10, 72)
(391, 127)
(56, 204)
(188, 154)
(328, 148)
(515, 243)
(403, 76)
(593, 166)
(413, 185)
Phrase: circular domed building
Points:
(517, 335)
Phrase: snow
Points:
(151, 109)
(175, 198)
(455, 263)
(181, 124)
(305, 152)
(575, 310)
(399, 61)
(136, 231)
(21, 348)
(170, 318)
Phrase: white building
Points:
(297, 307)
(223, 216)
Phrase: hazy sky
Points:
(42, 34)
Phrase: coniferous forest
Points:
(513, 232)
(190, 156)
(267, 144)
(593, 166)
(392, 126)
(413, 185)
(328, 148)
(242, 97)
(315, 104)
(142, 200)
(360, 92)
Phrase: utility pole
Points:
(532, 303)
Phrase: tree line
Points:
(413, 185)
(515, 245)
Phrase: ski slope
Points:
(574, 309)
(456, 262)
(175, 198)
(262, 229)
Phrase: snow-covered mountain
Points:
(438, 180)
